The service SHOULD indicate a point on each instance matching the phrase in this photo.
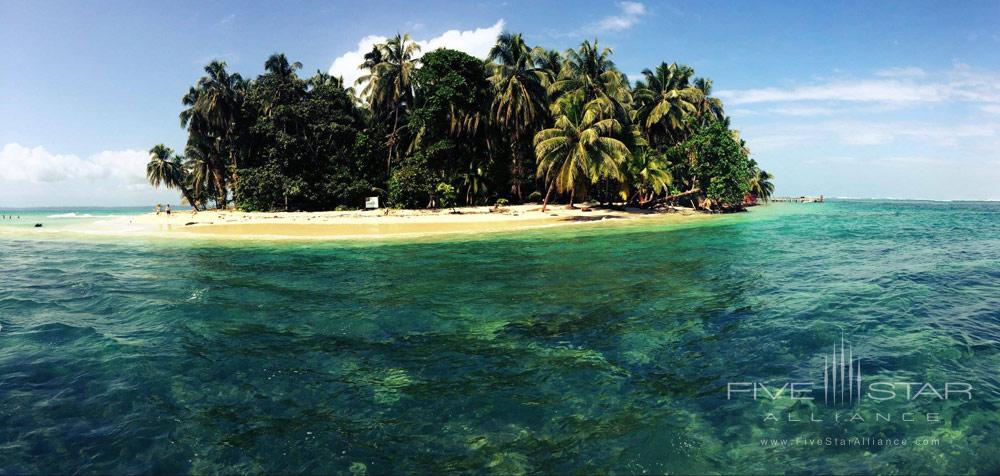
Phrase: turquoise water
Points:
(574, 350)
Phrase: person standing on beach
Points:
(168, 209)
(157, 208)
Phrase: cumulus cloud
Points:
(474, 42)
(37, 165)
(629, 13)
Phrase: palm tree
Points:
(213, 114)
(322, 78)
(579, 149)
(666, 98)
(647, 174)
(278, 65)
(388, 86)
(711, 107)
(206, 179)
(550, 61)
(761, 186)
(519, 102)
(165, 168)
(475, 182)
(588, 72)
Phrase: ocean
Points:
(757, 343)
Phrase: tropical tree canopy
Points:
(424, 128)
(520, 101)
(579, 149)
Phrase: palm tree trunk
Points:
(188, 197)
(220, 190)
(572, 193)
(545, 202)
(668, 198)
(516, 170)
(392, 140)
(236, 177)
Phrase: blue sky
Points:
(858, 99)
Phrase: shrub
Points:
(445, 195)
(410, 185)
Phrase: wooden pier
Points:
(802, 199)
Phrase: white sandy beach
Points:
(382, 223)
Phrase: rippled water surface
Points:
(574, 350)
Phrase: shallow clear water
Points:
(573, 350)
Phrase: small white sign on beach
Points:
(371, 202)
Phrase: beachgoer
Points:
(157, 208)
(168, 209)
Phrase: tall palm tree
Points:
(388, 86)
(665, 99)
(165, 168)
(588, 72)
(520, 100)
(213, 114)
(581, 148)
(278, 67)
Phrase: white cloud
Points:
(854, 91)
(836, 134)
(346, 65)
(913, 160)
(628, 15)
(895, 86)
(803, 111)
(904, 72)
(37, 165)
(903, 132)
(474, 42)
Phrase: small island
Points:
(472, 144)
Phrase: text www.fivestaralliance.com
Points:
(860, 441)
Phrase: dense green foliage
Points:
(305, 144)
(448, 129)
(455, 97)
(719, 164)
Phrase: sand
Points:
(382, 223)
